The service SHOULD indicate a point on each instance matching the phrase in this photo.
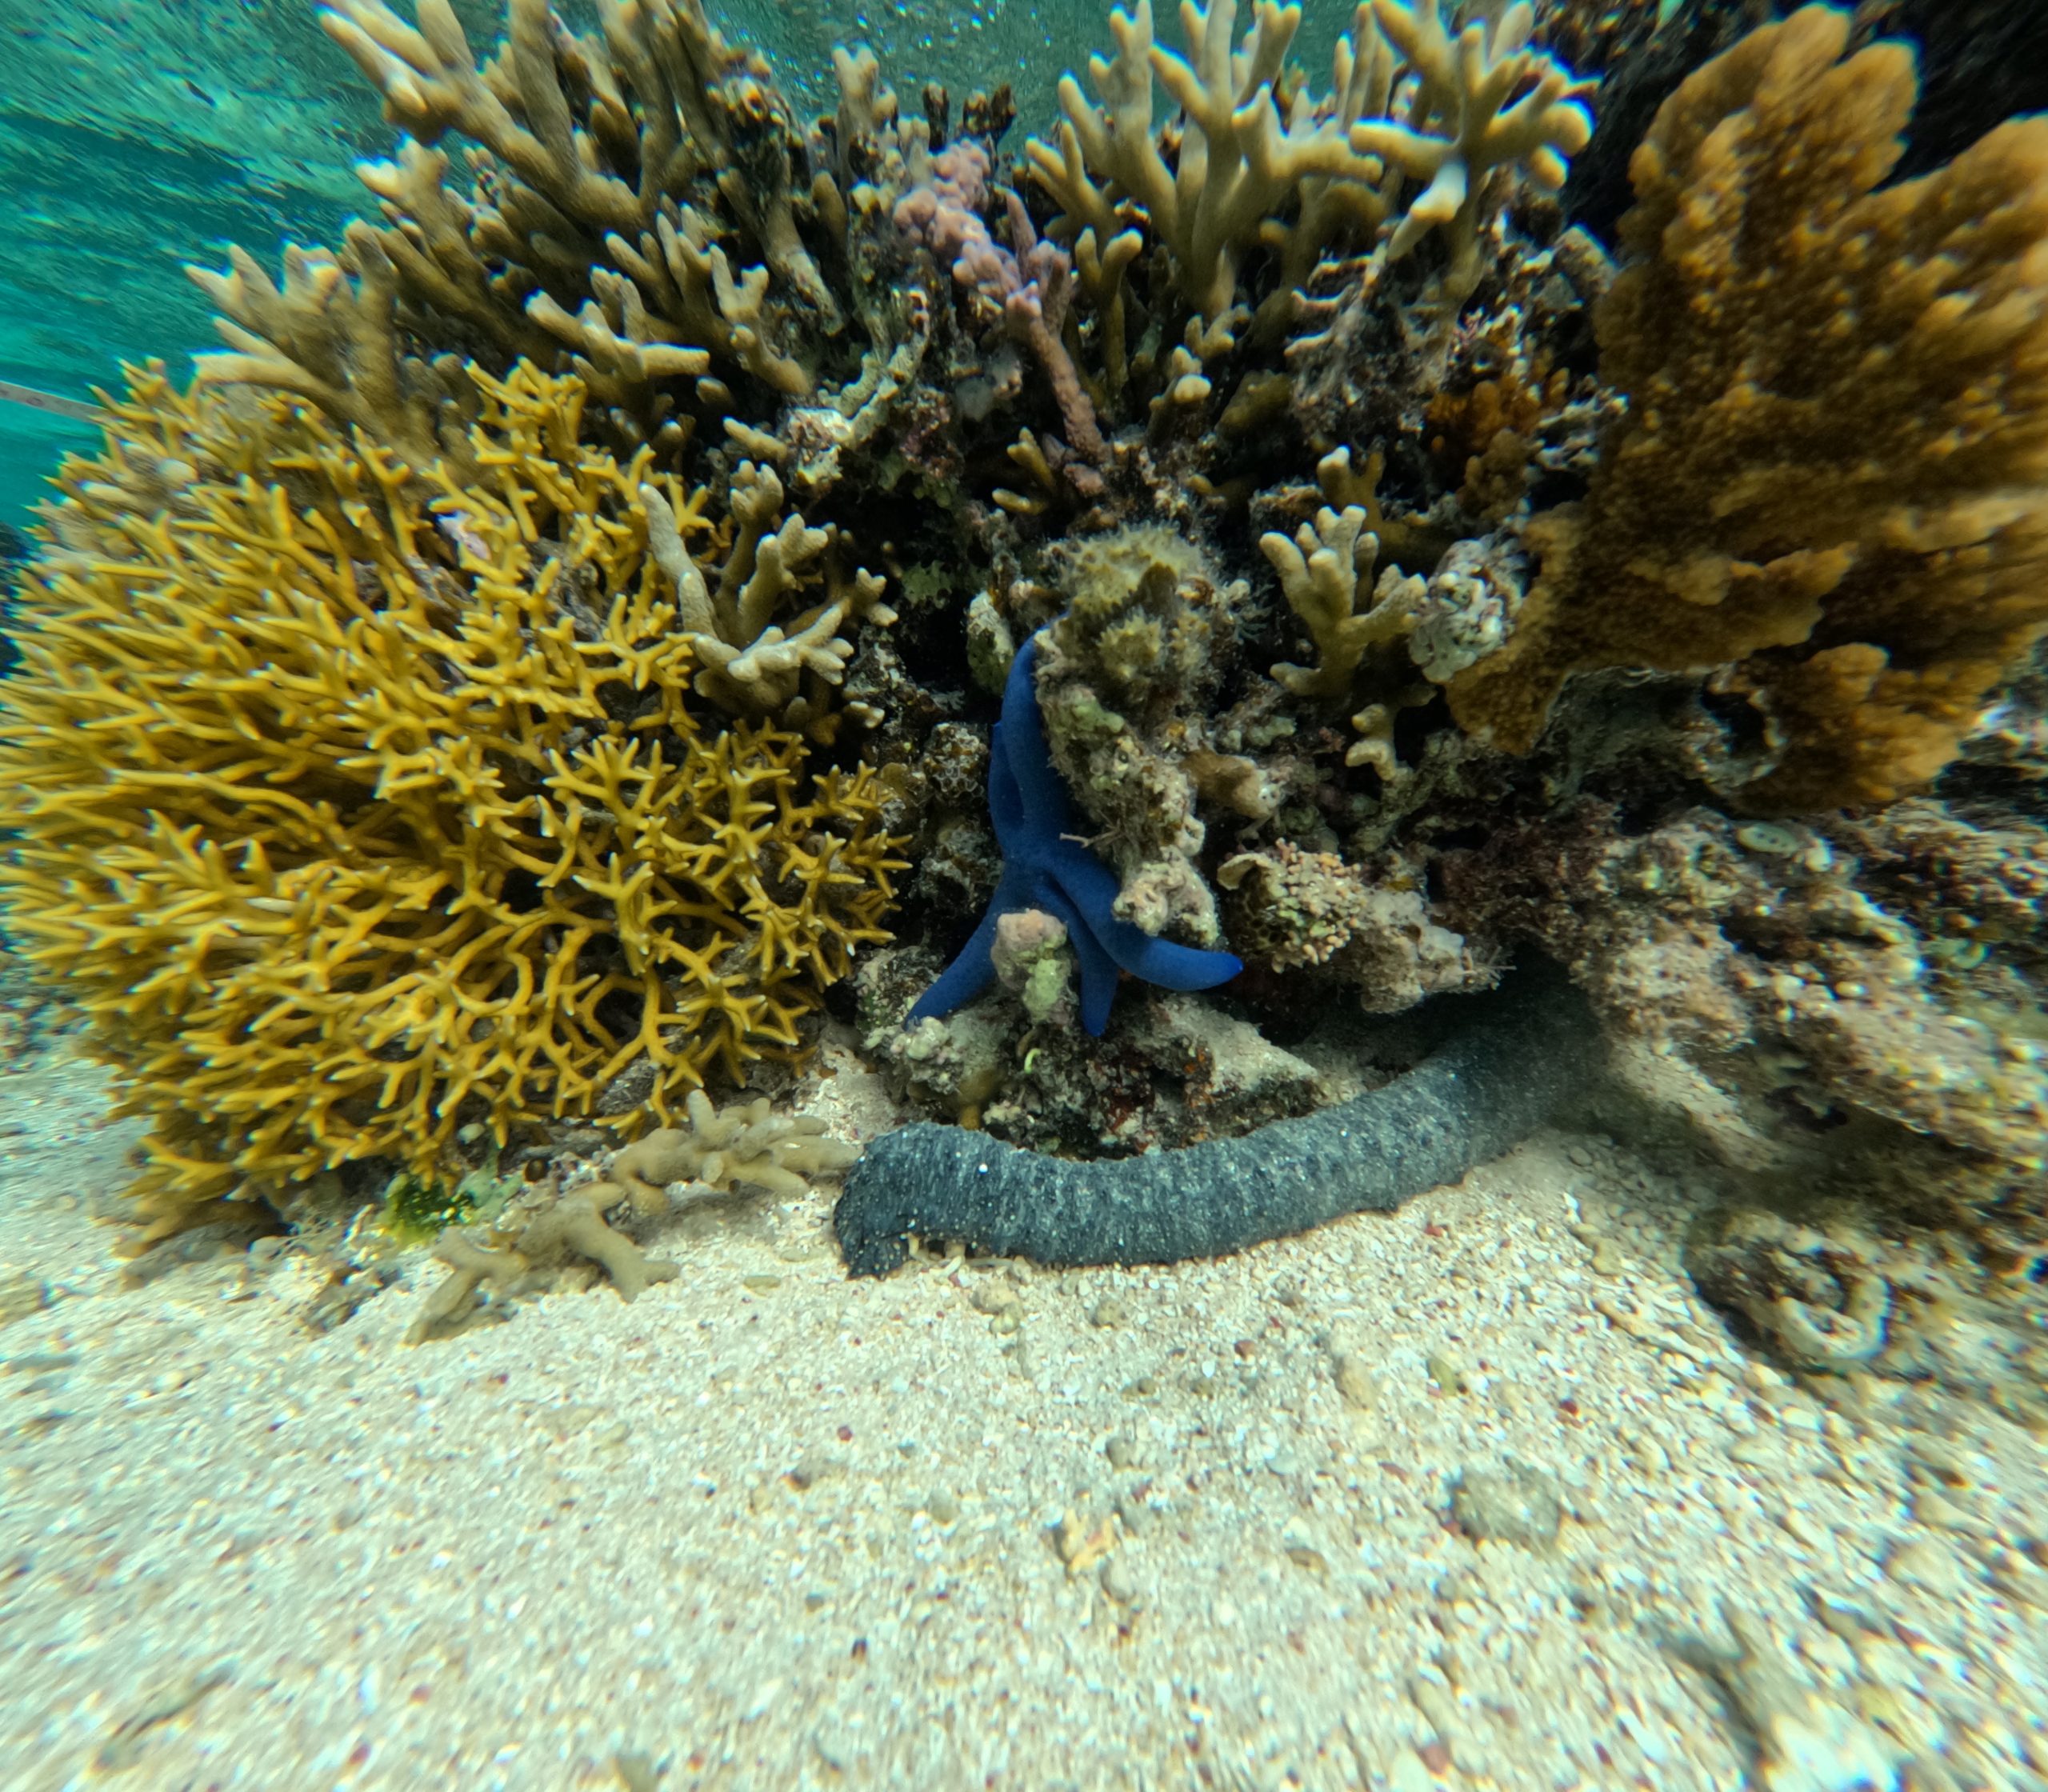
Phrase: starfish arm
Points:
(1014, 826)
(1092, 886)
(1023, 749)
(1170, 966)
(974, 969)
(1099, 969)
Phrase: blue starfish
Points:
(1045, 866)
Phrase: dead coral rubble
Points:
(1788, 967)
(1827, 1293)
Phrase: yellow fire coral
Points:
(356, 818)
(1831, 485)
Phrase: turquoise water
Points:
(137, 137)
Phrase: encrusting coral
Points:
(1831, 485)
(354, 819)
(1368, 927)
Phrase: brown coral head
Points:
(1830, 487)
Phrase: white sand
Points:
(769, 1528)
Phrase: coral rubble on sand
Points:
(501, 694)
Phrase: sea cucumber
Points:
(1503, 1072)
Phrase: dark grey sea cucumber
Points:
(1504, 1072)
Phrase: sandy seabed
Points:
(979, 1526)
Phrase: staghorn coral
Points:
(634, 200)
(1257, 162)
(354, 822)
(1480, 101)
(1238, 158)
(1831, 486)
(543, 1229)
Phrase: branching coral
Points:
(1236, 161)
(1031, 286)
(402, 769)
(1832, 481)
(1326, 573)
(336, 341)
(1257, 163)
(749, 1145)
(541, 1231)
(635, 213)
(1477, 102)
(752, 664)
(355, 821)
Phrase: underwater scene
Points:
(1009, 896)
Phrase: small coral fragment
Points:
(749, 1144)
(539, 1232)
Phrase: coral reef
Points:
(356, 819)
(1838, 982)
(1366, 927)
(1132, 666)
(1474, 102)
(503, 692)
(750, 664)
(1326, 573)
